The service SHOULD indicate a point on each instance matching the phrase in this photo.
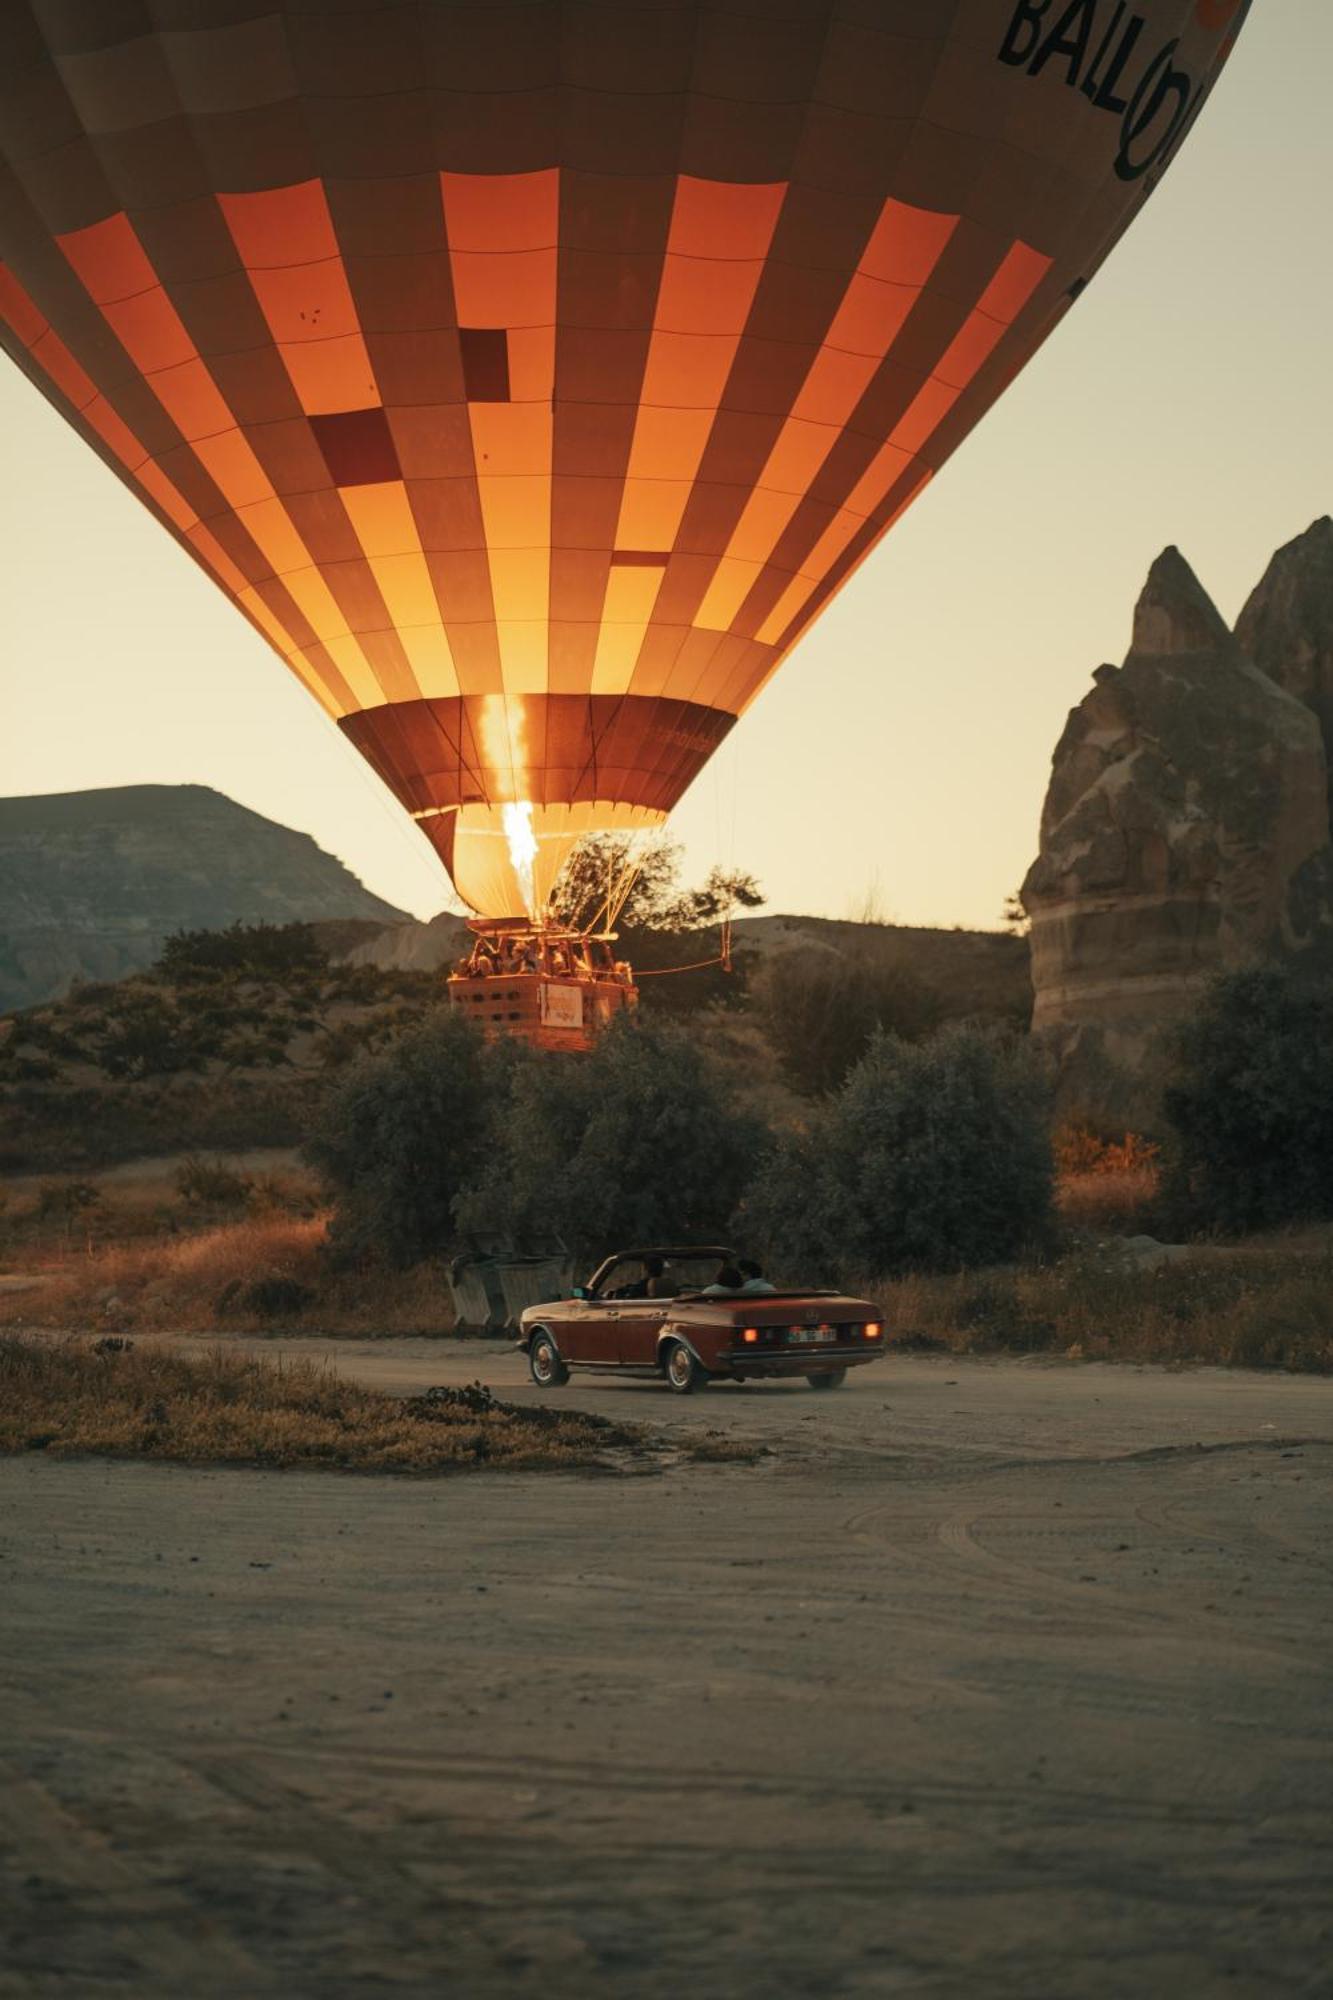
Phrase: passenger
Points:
(753, 1274)
(660, 1284)
(728, 1279)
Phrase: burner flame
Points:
(522, 850)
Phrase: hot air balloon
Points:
(532, 373)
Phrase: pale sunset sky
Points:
(902, 752)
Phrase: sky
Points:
(897, 763)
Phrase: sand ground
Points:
(986, 1678)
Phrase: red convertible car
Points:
(662, 1312)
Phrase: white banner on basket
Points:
(562, 1006)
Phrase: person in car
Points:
(753, 1274)
(658, 1281)
(728, 1279)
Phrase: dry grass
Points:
(1237, 1308)
(261, 1273)
(121, 1400)
(1123, 1204)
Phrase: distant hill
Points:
(92, 882)
(973, 972)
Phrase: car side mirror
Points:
(579, 1292)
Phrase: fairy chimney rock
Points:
(1286, 627)
(1185, 830)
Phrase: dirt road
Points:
(1001, 1679)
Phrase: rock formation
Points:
(1286, 627)
(1186, 831)
(92, 882)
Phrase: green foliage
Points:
(149, 1034)
(1251, 1105)
(264, 951)
(399, 1135)
(932, 1156)
(656, 901)
(822, 1012)
(639, 1142)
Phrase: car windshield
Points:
(684, 1274)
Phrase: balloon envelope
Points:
(531, 374)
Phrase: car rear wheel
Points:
(832, 1378)
(682, 1371)
(548, 1371)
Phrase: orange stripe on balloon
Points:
(502, 231)
(904, 248)
(1008, 291)
(717, 241)
(119, 277)
(54, 358)
(998, 307)
(286, 239)
(386, 528)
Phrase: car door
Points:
(641, 1320)
(598, 1333)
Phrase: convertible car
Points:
(647, 1312)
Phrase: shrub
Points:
(1251, 1104)
(822, 1011)
(275, 1297)
(147, 1034)
(639, 1142)
(66, 1201)
(399, 1135)
(211, 1184)
(272, 951)
(932, 1156)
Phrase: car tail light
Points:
(751, 1336)
(872, 1329)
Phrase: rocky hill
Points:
(92, 882)
(1186, 827)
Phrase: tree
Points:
(638, 1142)
(259, 951)
(822, 1011)
(399, 1135)
(931, 1156)
(655, 900)
(1251, 1103)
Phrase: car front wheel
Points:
(548, 1371)
(682, 1371)
(832, 1378)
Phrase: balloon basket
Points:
(551, 988)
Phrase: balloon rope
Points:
(696, 965)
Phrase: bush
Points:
(638, 1142)
(1251, 1104)
(266, 951)
(67, 1201)
(148, 1034)
(822, 1011)
(275, 1298)
(931, 1157)
(399, 1135)
(204, 1183)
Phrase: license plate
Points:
(812, 1336)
